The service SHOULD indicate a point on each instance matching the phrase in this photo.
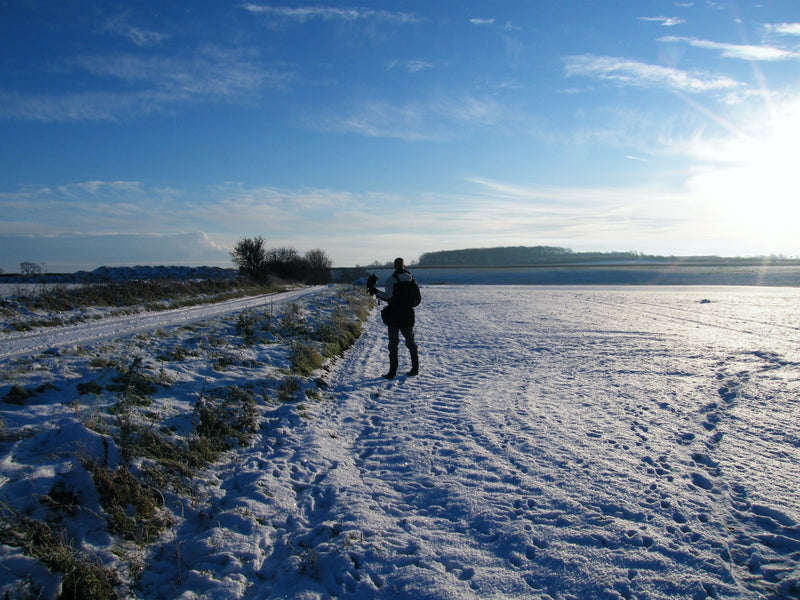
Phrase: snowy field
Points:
(559, 443)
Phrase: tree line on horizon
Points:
(515, 256)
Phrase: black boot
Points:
(414, 363)
(392, 365)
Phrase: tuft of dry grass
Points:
(83, 578)
(132, 508)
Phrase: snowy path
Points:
(560, 443)
(18, 344)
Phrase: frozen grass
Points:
(83, 577)
(58, 306)
(157, 428)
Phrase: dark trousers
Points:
(394, 342)
(408, 336)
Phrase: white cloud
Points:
(664, 21)
(301, 14)
(381, 119)
(410, 66)
(600, 217)
(438, 119)
(85, 226)
(707, 214)
(476, 21)
(155, 84)
(141, 37)
(92, 206)
(739, 51)
(94, 222)
(784, 28)
(640, 74)
(108, 187)
(210, 71)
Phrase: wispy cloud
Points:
(141, 37)
(301, 14)
(645, 75)
(410, 66)
(440, 119)
(477, 21)
(712, 209)
(664, 21)
(107, 188)
(210, 71)
(59, 107)
(99, 206)
(156, 84)
(596, 216)
(381, 119)
(102, 222)
(739, 51)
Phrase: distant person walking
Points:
(401, 293)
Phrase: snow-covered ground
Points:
(559, 443)
(105, 328)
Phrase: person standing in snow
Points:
(398, 316)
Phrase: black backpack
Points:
(405, 294)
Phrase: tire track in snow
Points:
(458, 461)
(406, 450)
(491, 496)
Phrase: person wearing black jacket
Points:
(398, 320)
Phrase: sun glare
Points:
(753, 188)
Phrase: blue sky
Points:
(161, 133)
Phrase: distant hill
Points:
(514, 256)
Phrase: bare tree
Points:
(286, 263)
(29, 269)
(318, 266)
(250, 256)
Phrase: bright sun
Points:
(752, 189)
